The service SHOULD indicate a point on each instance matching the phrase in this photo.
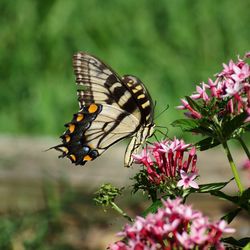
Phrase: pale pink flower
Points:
(228, 69)
(174, 145)
(199, 235)
(213, 86)
(232, 88)
(184, 105)
(222, 227)
(193, 113)
(172, 203)
(185, 240)
(119, 245)
(241, 74)
(164, 160)
(187, 180)
(174, 226)
(201, 92)
(143, 158)
(177, 144)
(227, 96)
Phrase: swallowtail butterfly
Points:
(111, 109)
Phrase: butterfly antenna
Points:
(156, 136)
(160, 126)
(161, 112)
(165, 135)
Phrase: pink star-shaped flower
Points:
(222, 227)
(241, 73)
(232, 88)
(187, 180)
(201, 92)
(143, 158)
(228, 69)
(213, 86)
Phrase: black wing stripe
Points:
(84, 78)
(130, 106)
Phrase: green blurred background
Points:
(170, 45)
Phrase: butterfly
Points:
(111, 108)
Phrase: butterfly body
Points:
(111, 109)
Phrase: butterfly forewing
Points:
(111, 108)
(102, 84)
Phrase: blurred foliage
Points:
(171, 46)
(69, 220)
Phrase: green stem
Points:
(233, 167)
(244, 146)
(120, 211)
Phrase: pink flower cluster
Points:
(165, 160)
(231, 85)
(175, 226)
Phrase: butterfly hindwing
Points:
(89, 134)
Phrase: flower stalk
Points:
(233, 166)
(120, 211)
(106, 196)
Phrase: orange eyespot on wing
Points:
(92, 108)
(72, 157)
(71, 127)
(87, 158)
(67, 138)
(75, 143)
(79, 117)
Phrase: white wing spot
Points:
(145, 104)
(135, 90)
(138, 87)
(141, 96)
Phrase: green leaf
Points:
(230, 126)
(194, 105)
(186, 124)
(202, 130)
(244, 242)
(153, 208)
(247, 127)
(207, 188)
(187, 192)
(201, 126)
(242, 201)
(245, 200)
(224, 196)
(231, 215)
(207, 143)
